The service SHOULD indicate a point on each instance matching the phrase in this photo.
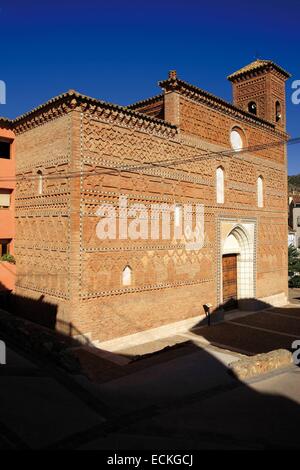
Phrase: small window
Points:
(252, 108)
(220, 185)
(5, 198)
(260, 192)
(4, 247)
(177, 215)
(5, 149)
(127, 276)
(40, 182)
(298, 221)
(278, 111)
(237, 139)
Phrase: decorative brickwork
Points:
(85, 145)
(263, 83)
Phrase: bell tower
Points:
(259, 89)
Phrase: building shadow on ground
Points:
(183, 397)
(259, 328)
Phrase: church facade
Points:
(183, 147)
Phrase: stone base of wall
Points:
(150, 335)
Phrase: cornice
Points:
(142, 103)
(257, 68)
(5, 123)
(128, 116)
(72, 100)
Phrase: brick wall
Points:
(59, 254)
(42, 244)
(170, 283)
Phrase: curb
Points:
(260, 364)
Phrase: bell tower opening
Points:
(252, 108)
(259, 89)
(277, 111)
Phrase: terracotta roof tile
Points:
(74, 94)
(258, 64)
(181, 85)
(146, 101)
(5, 121)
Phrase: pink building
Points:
(7, 205)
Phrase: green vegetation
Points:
(294, 267)
(294, 182)
(8, 258)
(294, 281)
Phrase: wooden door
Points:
(229, 267)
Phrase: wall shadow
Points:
(32, 325)
(42, 313)
(36, 310)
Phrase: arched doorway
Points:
(237, 268)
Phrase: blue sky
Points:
(118, 50)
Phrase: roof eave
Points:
(141, 103)
(176, 84)
(260, 68)
(74, 95)
(5, 122)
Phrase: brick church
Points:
(74, 153)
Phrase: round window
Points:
(236, 139)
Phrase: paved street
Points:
(181, 397)
(256, 333)
(40, 405)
